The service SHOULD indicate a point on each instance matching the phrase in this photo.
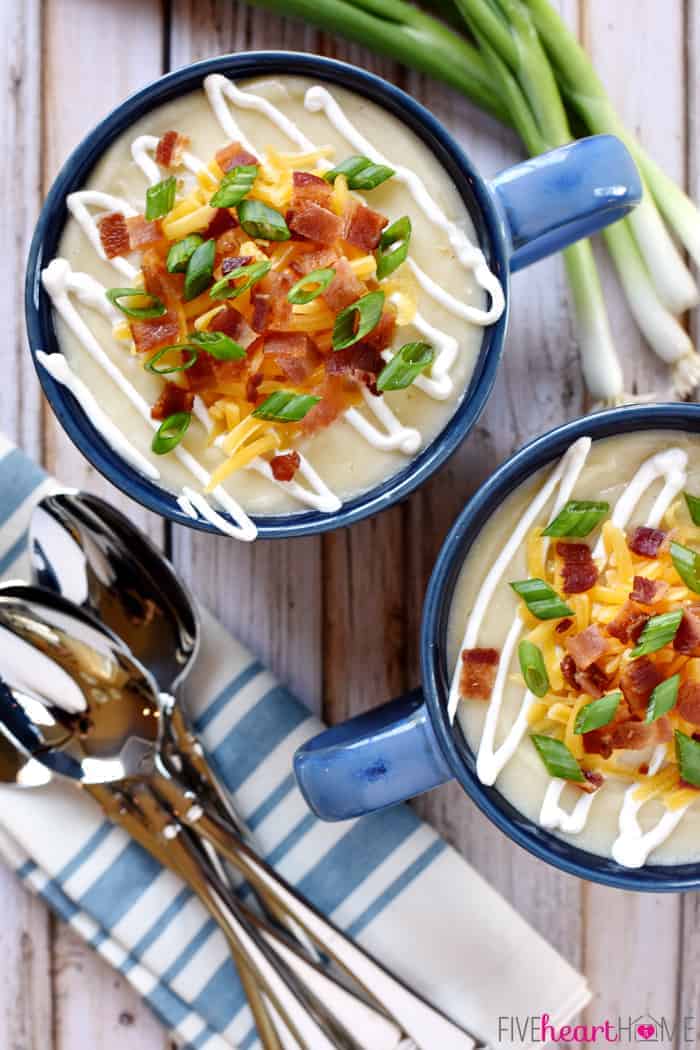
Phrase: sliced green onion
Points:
(200, 269)
(156, 309)
(361, 173)
(557, 759)
(393, 247)
(663, 699)
(226, 288)
(300, 293)
(688, 753)
(686, 562)
(405, 366)
(170, 433)
(598, 713)
(151, 364)
(160, 198)
(542, 601)
(658, 632)
(285, 406)
(578, 518)
(694, 507)
(357, 320)
(234, 186)
(181, 253)
(533, 667)
(262, 222)
(219, 345)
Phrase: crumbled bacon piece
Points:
(223, 221)
(114, 234)
(629, 623)
(593, 681)
(648, 591)
(309, 187)
(593, 780)
(295, 354)
(233, 324)
(234, 156)
(284, 467)
(359, 362)
(345, 288)
(170, 148)
(271, 308)
(634, 736)
(201, 375)
(251, 388)
(645, 541)
(172, 399)
(155, 332)
(315, 223)
(689, 702)
(564, 625)
(383, 332)
(363, 226)
(234, 262)
(334, 401)
(587, 646)
(479, 667)
(316, 259)
(579, 572)
(637, 681)
(143, 233)
(687, 639)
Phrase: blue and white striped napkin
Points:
(389, 880)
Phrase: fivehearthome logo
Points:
(627, 1031)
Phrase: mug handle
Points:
(372, 761)
(559, 197)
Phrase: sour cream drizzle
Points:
(632, 846)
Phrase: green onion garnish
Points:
(156, 309)
(361, 173)
(688, 753)
(533, 667)
(310, 286)
(160, 198)
(558, 760)
(181, 253)
(578, 518)
(541, 600)
(165, 370)
(234, 186)
(598, 713)
(694, 507)
(219, 345)
(200, 269)
(357, 320)
(658, 632)
(285, 406)
(226, 288)
(393, 247)
(262, 222)
(405, 366)
(686, 562)
(171, 432)
(663, 699)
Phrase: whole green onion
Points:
(235, 184)
(693, 504)
(578, 518)
(533, 667)
(541, 600)
(658, 632)
(393, 247)
(405, 366)
(160, 198)
(357, 320)
(200, 269)
(262, 222)
(227, 288)
(686, 562)
(310, 286)
(181, 253)
(663, 699)
(598, 713)
(140, 313)
(688, 754)
(285, 406)
(152, 364)
(170, 433)
(557, 759)
(219, 345)
(361, 173)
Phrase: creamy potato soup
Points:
(575, 637)
(269, 298)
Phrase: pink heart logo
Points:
(646, 1031)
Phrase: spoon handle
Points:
(425, 1024)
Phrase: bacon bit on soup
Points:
(687, 638)
(363, 226)
(318, 259)
(295, 355)
(359, 362)
(223, 221)
(170, 148)
(636, 736)
(648, 591)
(172, 399)
(143, 233)
(579, 572)
(592, 781)
(629, 623)
(252, 387)
(479, 668)
(233, 156)
(587, 647)
(638, 680)
(688, 705)
(114, 234)
(345, 287)
(311, 221)
(284, 467)
(564, 625)
(310, 187)
(645, 541)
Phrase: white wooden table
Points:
(65, 63)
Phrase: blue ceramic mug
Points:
(408, 746)
(521, 215)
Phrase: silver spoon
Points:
(113, 737)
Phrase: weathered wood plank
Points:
(643, 70)
(267, 593)
(93, 1006)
